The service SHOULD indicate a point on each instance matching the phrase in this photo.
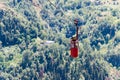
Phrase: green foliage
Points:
(117, 37)
(26, 26)
(26, 59)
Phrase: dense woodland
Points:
(26, 27)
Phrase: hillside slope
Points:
(35, 35)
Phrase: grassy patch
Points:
(17, 57)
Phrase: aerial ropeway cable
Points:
(61, 10)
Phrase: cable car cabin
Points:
(74, 42)
(74, 47)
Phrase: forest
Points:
(35, 39)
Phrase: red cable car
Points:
(74, 43)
